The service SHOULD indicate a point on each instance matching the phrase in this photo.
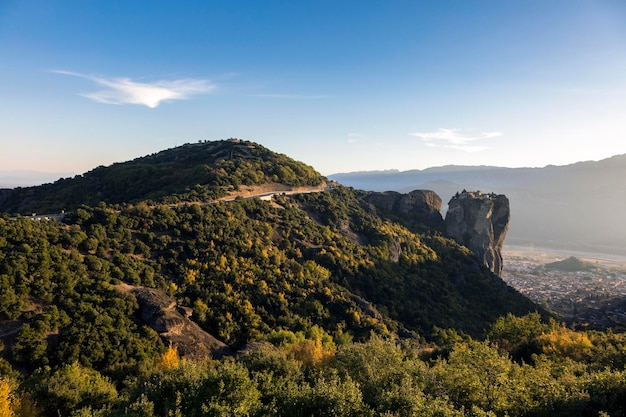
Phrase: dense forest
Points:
(329, 307)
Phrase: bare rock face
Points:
(421, 208)
(423, 205)
(480, 222)
(174, 326)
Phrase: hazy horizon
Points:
(27, 178)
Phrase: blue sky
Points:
(340, 85)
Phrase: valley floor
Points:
(596, 297)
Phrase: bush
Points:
(72, 388)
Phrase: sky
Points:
(340, 85)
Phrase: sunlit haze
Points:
(343, 86)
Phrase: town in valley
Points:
(585, 289)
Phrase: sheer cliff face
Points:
(422, 205)
(480, 222)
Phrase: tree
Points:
(477, 375)
(520, 335)
(74, 387)
(8, 401)
(564, 342)
(169, 359)
(328, 396)
(389, 380)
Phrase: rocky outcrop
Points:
(423, 206)
(419, 209)
(173, 324)
(480, 222)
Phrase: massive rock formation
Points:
(423, 206)
(480, 222)
(420, 209)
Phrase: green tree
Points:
(477, 375)
(74, 387)
(388, 379)
(520, 335)
(327, 396)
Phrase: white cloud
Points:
(291, 96)
(455, 139)
(355, 137)
(126, 91)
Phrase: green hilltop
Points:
(201, 171)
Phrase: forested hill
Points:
(334, 306)
(200, 171)
(250, 267)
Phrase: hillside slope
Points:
(325, 265)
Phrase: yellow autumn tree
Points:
(565, 342)
(312, 353)
(7, 398)
(316, 350)
(170, 359)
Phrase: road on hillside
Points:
(266, 195)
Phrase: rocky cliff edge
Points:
(480, 222)
(424, 206)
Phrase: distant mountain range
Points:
(579, 206)
(24, 178)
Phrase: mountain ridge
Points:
(451, 167)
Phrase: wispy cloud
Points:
(456, 139)
(291, 96)
(355, 137)
(127, 91)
